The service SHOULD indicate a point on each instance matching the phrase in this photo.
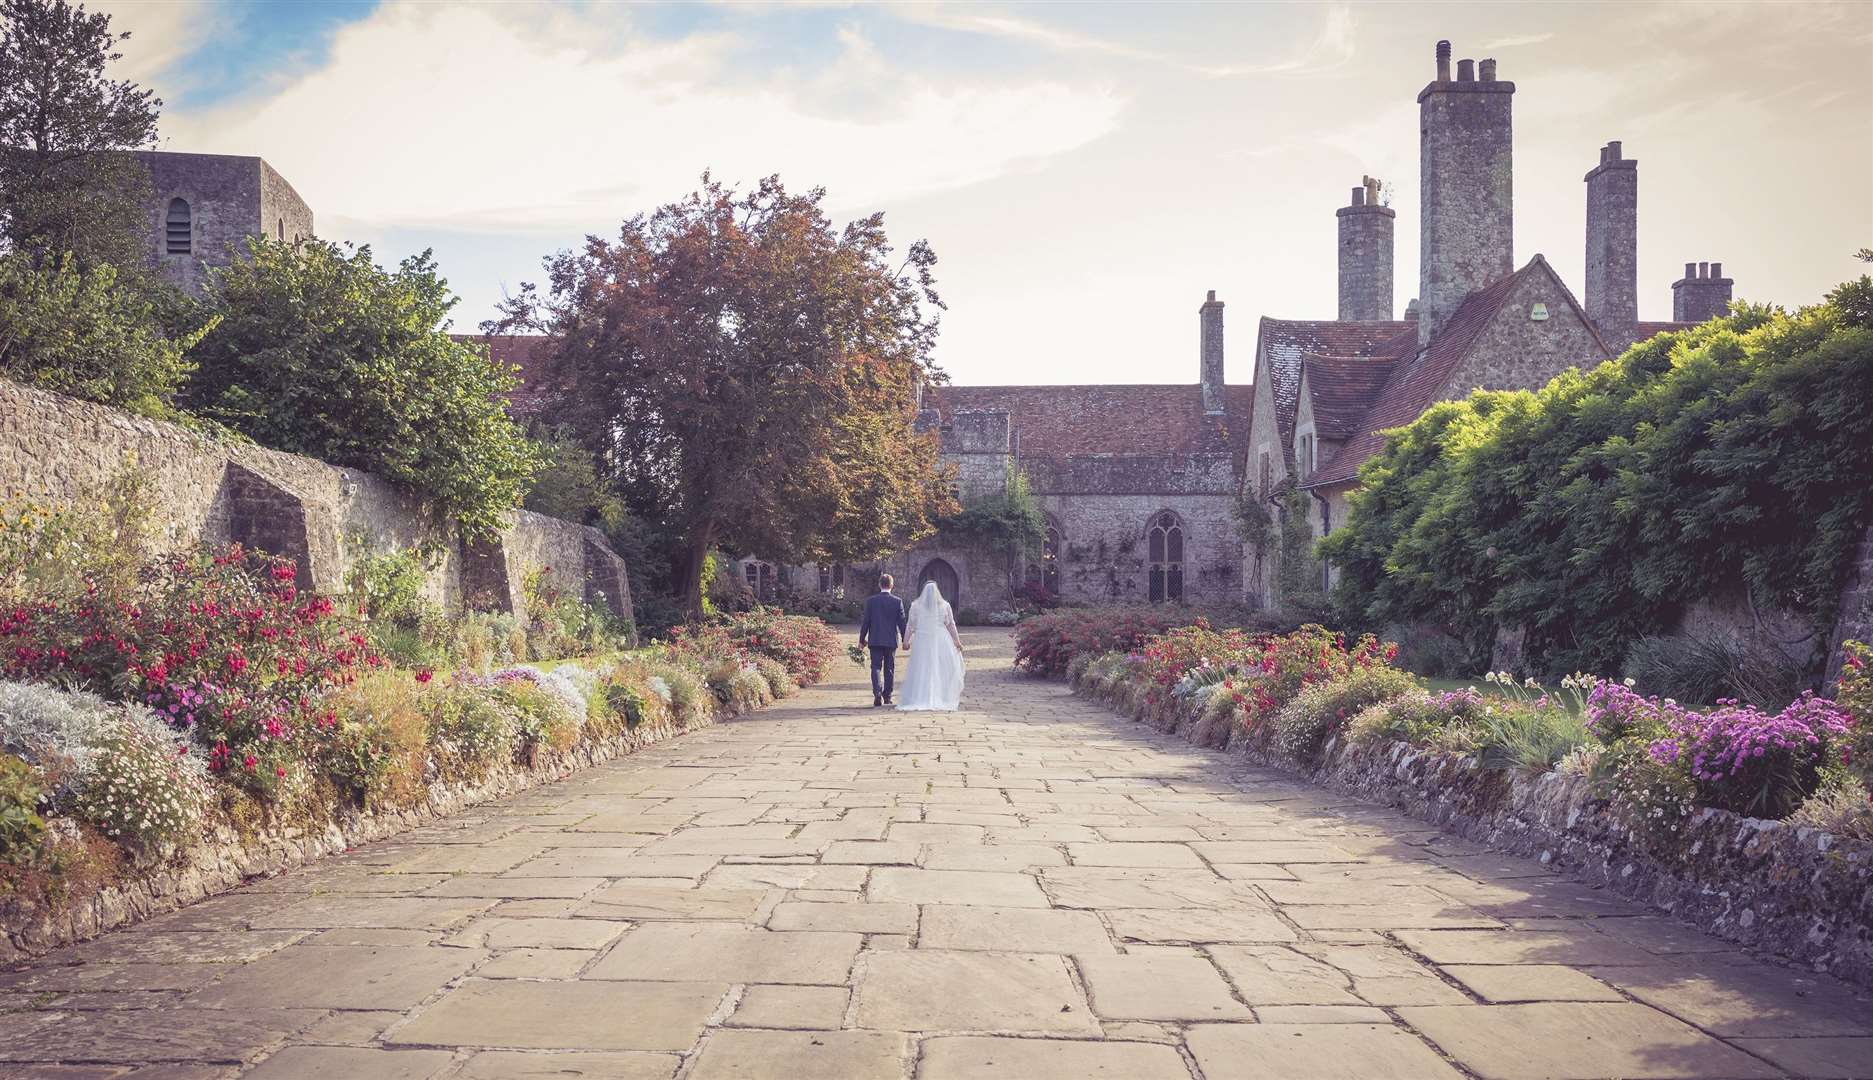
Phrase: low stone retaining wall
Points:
(1796, 893)
(226, 859)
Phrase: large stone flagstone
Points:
(1029, 889)
(566, 1015)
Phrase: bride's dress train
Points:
(933, 679)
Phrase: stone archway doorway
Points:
(946, 580)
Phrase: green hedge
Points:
(1591, 512)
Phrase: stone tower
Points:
(1366, 256)
(1210, 354)
(1465, 165)
(1612, 294)
(1703, 293)
(204, 207)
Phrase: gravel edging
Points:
(1800, 894)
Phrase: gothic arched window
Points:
(178, 235)
(1164, 545)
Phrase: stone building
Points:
(1326, 391)
(204, 207)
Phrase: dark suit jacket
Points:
(884, 619)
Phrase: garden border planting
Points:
(1799, 893)
(225, 859)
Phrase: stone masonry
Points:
(1612, 281)
(1702, 293)
(1366, 256)
(219, 202)
(1028, 889)
(57, 449)
(1466, 172)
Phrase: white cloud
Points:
(160, 34)
(479, 117)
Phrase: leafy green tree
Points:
(1593, 511)
(745, 374)
(89, 334)
(320, 351)
(66, 186)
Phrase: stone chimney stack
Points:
(1612, 295)
(1365, 256)
(1703, 293)
(1466, 211)
(1210, 356)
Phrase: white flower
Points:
(1630, 683)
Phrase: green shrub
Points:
(22, 830)
(1515, 736)
(144, 786)
(691, 700)
(320, 351)
(470, 731)
(487, 640)
(1702, 671)
(1591, 512)
(779, 683)
(1322, 709)
(542, 714)
(375, 743)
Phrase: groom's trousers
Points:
(883, 669)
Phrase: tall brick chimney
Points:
(1703, 293)
(1467, 204)
(1612, 294)
(1210, 355)
(1365, 255)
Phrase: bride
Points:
(934, 677)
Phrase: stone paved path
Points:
(1030, 888)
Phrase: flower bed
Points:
(229, 725)
(1633, 792)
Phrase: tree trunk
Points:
(695, 560)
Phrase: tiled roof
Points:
(1342, 389)
(1287, 343)
(1415, 383)
(1649, 330)
(525, 352)
(1068, 421)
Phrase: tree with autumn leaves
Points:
(745, 374)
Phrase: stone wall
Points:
(1855, 622)
(1516, 351)
(224, 197)
(56, 449)
(1103, 547)
(283, 214)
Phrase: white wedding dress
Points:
(934, 677)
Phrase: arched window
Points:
(282, 229)
(178, 234)
(1164, 545)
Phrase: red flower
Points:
(424, 676)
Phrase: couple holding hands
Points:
(933, 679)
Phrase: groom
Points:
(883, 621)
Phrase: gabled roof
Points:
(1070, 421)
(1415, 383)
(1285, 344)
(1342, 389)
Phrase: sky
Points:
(1084, 172)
